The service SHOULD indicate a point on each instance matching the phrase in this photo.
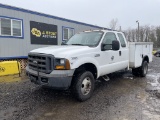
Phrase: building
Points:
(23, 30)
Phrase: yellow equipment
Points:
(9, 68)
(154, 51)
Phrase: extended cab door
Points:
(111, 60)
(124, 56)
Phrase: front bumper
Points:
(57, 79)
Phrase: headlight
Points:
(62, 61)
(62, 64)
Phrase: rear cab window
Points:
(121, 38)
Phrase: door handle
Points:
(112, 57)
(120, 53)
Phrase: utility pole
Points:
(120, 29)
(138, 29)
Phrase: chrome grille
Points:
(41, 62)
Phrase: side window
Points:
(67, 33)
(121, 38)
(108, 38)
(10, 27)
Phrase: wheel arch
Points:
(145, 58)
(87, 67)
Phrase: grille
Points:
(41, 62)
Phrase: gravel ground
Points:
(124, 97)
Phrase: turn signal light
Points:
(67, 65)
(60, 67)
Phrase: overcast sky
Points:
(97, 12)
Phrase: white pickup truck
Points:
(86, 57)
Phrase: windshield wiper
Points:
(78, 44)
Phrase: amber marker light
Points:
(60, 67)
(67, 65)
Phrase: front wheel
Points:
(83, 85)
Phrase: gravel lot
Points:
(124, 97)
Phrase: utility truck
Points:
(86, 57)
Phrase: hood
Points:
(63, 51)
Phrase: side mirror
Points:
(115, 45)
(102, 47)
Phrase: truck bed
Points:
(137, 51)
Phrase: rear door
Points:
(124, 51)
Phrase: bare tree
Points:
(113, 24)
(147, 30)
(141, 34)
(158, 36)
(147, 33)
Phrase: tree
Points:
(158, 36)
(153, 39)
(128, 34)
(146, 33)
(113, 24)
(141, 34)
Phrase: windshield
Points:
(86, 38)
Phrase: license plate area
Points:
(33, 78)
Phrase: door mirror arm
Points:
(64, 43)
(102, 47)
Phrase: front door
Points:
(111, 60)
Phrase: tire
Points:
(136, 71)
(83, 85)
(157, 55)
(144, 69)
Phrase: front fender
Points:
(78, 62)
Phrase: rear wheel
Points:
(144, 69)
(141, 71)
(158, 55)
(83, 85)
